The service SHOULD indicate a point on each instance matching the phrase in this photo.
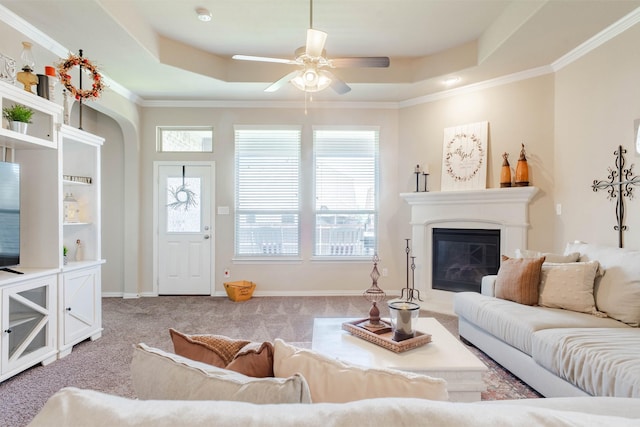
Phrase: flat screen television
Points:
(9, 214)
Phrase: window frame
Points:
(159, 133)
(259, 257)
(376, 209)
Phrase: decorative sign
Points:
(464, 157)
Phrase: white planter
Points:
(20, 127)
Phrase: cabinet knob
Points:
(68, 308)
(206, 236)
(8, 331)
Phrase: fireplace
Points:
(461, 257)
(505, 210)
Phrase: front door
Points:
(184, 262)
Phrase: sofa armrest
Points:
(488, 286)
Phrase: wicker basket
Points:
(240, 291)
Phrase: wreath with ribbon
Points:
(80, 94)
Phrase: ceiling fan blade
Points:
(337, 85)
(283, 81)
(263, 59)
(315, 42)
(362, 61)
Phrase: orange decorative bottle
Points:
(522, 170)
(505, 172)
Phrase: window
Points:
(267, 168)
(185, 139)
(346, 192)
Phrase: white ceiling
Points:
(158, 50)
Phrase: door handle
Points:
(206, 236)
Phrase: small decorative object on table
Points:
(384, 337)
(505, 172)
(522, 170)
(79, 250)
(403, 316)
(374, 295)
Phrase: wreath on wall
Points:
(477, 158)
(80, 94)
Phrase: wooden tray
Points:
(384, 336)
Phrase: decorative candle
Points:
(417, 169)
(426, 169)
(403, 315)
(50, 71)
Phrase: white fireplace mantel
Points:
(504, 209)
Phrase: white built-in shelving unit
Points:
(56, 302)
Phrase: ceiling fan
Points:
(312, 74)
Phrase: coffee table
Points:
(444, 357)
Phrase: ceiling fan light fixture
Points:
(310, 80)
(203, 14)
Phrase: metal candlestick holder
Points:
(425, 175)
(411, 292)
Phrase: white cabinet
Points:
(28, 324)
(81, 308)
(54, 304)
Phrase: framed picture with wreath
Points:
(464, 157)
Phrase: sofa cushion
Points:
(157, 374)
(331, 380)
(515, 323)
(548, 256)
(617, 292)
(600, 361)
(569, 286)
(73, 407)
(518, 279)
(252, 359)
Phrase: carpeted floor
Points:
(104, 364)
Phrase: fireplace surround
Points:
(502, 209)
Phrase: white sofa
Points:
(560, 352)
(72, 407)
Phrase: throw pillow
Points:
(216, 350)
(157, 374)
(335, 381)
(548, 256)
(252, 359)
(518, 279)
(569, 286)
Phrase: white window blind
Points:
(346, 191)
(267, 177)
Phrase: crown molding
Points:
(599, 39)
(269, 104)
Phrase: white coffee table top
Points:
(444, 353)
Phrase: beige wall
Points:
(520, 112)
(597, 100)
(305, 277)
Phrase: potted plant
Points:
(18, 116)
(65, 251)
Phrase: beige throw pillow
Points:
(518, 279)
(334, 381)
(569, 286)
(157, 374)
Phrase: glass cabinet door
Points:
(26, 324)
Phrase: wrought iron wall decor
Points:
(619, 185)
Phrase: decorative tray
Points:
(384, 336)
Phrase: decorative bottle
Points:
(505, 172)
(79, 250)
(522, 170)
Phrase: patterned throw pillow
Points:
(569, 286)
(518, 279)
(245, 357)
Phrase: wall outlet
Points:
(227, 273)
(385, 272)
(558, 209)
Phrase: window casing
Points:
(346, 192)
(267, 180)
(185, 139)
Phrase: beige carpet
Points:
(104, 364)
